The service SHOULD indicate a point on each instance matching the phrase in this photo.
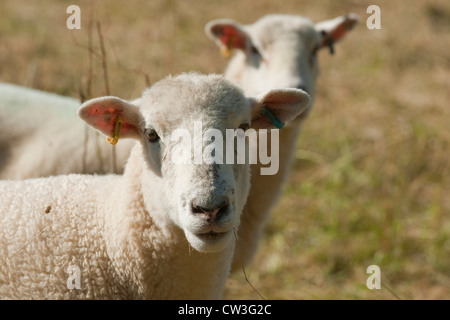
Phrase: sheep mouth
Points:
(211, 235)
(209, 241)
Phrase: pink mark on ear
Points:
(105, 123)
(127, 128)
(103, 118)
(231, 38)
(94, 111)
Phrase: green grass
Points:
(370, 183)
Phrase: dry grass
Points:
(371, 181)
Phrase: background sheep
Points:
(160, 231)
(41, 135)
(276, 51)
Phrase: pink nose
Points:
(210, 214)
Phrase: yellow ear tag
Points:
(115, 138)
(224, 51)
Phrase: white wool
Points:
(135, 236)
(41, 135)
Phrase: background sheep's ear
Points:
(102, 114)
(228, 35)
(275, 108)
(335, 29)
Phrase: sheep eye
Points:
(245, 126)
(151, 135)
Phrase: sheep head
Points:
(182, 123)
(277, 51)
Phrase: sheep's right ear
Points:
(103, 113)
(334, 30)
(228, 35)
(278, 106)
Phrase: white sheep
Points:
(277, 51)
(31, 140)
(160, 231)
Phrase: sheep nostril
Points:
(222, 210)
(198, 209)
(210, 213)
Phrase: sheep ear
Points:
(103, 113)
(228, 35)
(335, 29)
(275, 108)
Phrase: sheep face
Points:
(282, 54)
(192, 114)
(179, 123)
(277, 51)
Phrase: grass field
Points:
(370, 183)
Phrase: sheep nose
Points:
(210, 213)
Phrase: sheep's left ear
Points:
(104, 113)
(278, 106)
(228, 35)
(335, 29)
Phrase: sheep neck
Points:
(264, 193)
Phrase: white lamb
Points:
(160, 231)
(32, 143)
(277, 51)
